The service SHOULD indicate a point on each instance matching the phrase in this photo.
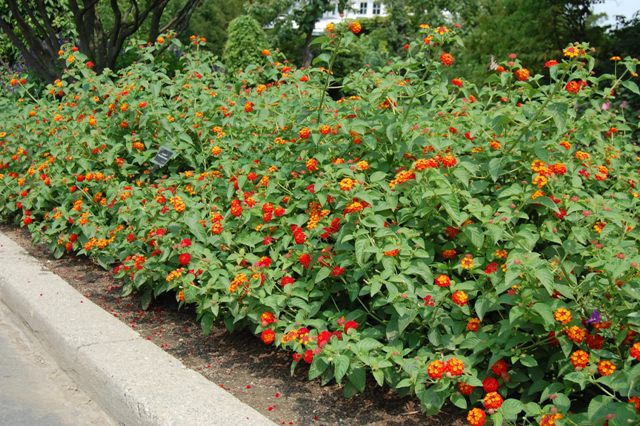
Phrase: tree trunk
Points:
(307, 55)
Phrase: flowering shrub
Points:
(462, 243)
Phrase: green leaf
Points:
(632, 86)
(544, 275)
(341, 363)
(196, 228)
(483, 305)
(206, 322)
(474, 234)
(528, 361)
(420, 269)
(317, 367)
(458, 400)
(378, 375)
(368, 344)
(511, 408)
(498, 418)
(577, 377)
(559, 111)
(545, 313)
(377, 177)
(360, 251)
(145, 298)
(376, 285)
(323, 273)
(358, 378)
(547, 202)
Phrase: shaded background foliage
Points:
(535, 31)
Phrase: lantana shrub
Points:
(477, 245)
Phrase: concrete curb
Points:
(135, 381)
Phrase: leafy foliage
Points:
(462, 243)
(245, 43)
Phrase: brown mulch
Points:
(238, 362)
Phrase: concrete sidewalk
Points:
(133, 380)
(33, 389)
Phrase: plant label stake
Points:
(162, 157)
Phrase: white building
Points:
(357, 9)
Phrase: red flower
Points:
(184, 259)
(337, 271)
(490, 384)
(264, 262)
(267, 318)
(305, 260)
(561, 213)
(492, 400)
(465, 388)
(522, 74)
(446, 59)
(491, 268)
(308, 356)
(443, 281)
(499, 367)
(456, 82)
(573, 87)
(436, 369)
(350, 325)
(298, 234)
(635, 351)
(268, 336)
(287, 280)
(452, 232)
(186, 242)
(324, 337)
(297, 357)
(428, 301)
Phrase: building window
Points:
(376, 8)
(363, 7)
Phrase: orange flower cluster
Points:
(347, 184)
(579, 360)
(576, 334)
(473, 324)
(355, 206)
(476, 417)
(402, 177)
(316, 213)
(550, 419)
(177, 273)
(178, 204)
(492, 401)
(606, 368)
(562, 315)
(460, 298)
(240, 279)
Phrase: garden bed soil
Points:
(257, 375)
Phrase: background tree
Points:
(100, 27)
(211, 20)
(245, 43)
(293, 21)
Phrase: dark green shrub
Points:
(245, 43)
